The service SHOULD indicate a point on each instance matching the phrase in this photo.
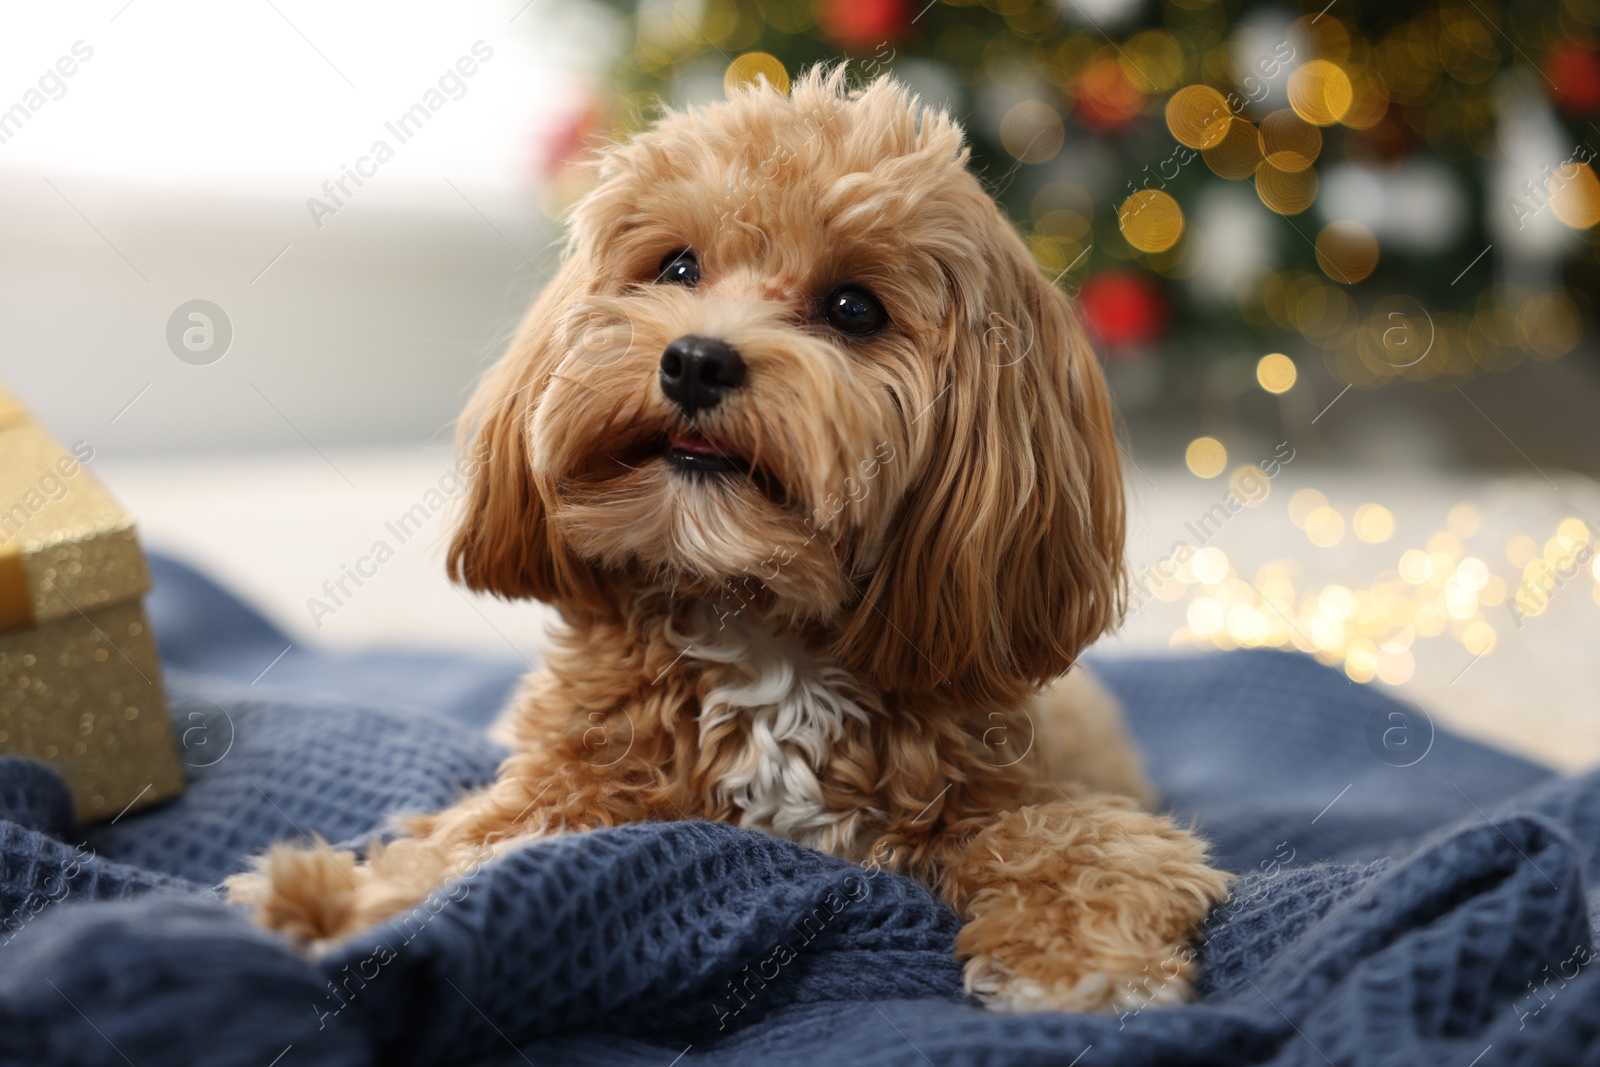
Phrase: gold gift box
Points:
(80, 680)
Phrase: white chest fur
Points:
(792, 710)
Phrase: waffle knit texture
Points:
(1408, 896)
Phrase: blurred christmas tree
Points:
(1404, 189)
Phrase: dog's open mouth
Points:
(690, 451)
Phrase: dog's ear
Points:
(1006, 559)
(503, 543)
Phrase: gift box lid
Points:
(66, 547)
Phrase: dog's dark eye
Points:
(854, 311)
(679, 267)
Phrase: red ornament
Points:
(1106, 98)
(571, 141)
(1575, 72)
(861, 25)
(1123, 308)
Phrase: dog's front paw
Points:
(1086, 905)
(1045, 982)
(312, 895)
(320, 895)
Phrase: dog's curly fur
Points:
(852, 638)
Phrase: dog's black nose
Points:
(697, 371)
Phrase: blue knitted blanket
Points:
(1408, 896)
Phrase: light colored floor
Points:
(1536, 691)
(282, 529)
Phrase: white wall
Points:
(176, 161)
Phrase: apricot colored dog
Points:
(821, 474)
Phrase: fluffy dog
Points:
(821, 475)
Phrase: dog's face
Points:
(796, 364)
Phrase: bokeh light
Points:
(1250, 485)
(1286, 192)
(1549, 323)
(1373, 523)
(1238, 153)
(1276, 373)
(1151, 220)
(1416, 566)
(1288, 142)
(1032, 132)
(1325, 527)
(1575, 195)
(1209, 566)
(1521, 550)
(753, 67)
(1320, 92)
(1372, 631)
(1107, 91)
(1206, 457)
(1198, 116)
(1395, 666)
(1572, 534)
(1303, 503)
(1479, 637)
(1369, 99)
(1347, 252)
